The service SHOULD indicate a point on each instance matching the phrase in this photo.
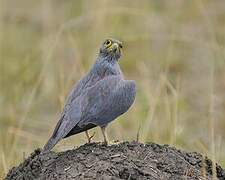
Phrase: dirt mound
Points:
(123, 161)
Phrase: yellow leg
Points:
(104, 135)
(89, 137)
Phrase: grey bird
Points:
(98, 98)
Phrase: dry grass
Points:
(173, 49)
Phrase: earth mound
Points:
(122, 161)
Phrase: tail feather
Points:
(54, 139)
(50, 144)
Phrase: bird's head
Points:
(111, 48)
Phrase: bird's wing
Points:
(77, 89)
(92, 78)
(89, 101)
(108, 100)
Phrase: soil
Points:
(122, 161)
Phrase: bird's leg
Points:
(104, 135)
(89, 137)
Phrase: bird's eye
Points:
(108, 43)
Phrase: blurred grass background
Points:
(175, 50)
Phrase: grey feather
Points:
(97, 99)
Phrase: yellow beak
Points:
(114, 46)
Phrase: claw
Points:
(105, 143)
(92, 135)
(89, 137)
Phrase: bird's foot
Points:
(90, 137)
(105, 143)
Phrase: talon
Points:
(105, 143)
(92, 136)
(89, 137)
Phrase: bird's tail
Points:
(50, 144)
(54, 138)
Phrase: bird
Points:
(102, 95)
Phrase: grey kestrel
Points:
(98, 98)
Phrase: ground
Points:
(120, 161)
